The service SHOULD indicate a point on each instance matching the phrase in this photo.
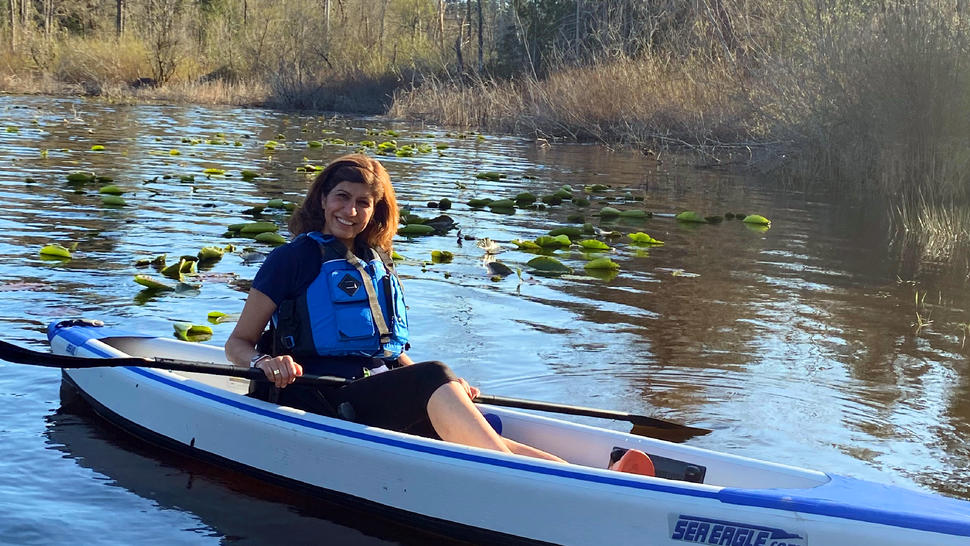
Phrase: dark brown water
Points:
(800, 344)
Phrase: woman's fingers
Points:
(281, 370)
(471, 391)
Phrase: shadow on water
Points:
(233, 507)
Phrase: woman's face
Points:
(347, 209)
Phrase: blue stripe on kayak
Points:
(949, 516)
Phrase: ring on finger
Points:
(276, 372)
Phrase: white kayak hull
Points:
(494, 496)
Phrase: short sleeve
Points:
(288, 269)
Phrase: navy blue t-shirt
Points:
(288, 269)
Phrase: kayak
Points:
(698, 496)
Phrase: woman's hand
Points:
(471, 391)
(280, 370)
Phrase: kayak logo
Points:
(699, 530)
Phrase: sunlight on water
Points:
(796, 345)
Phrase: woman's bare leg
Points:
(456, 419)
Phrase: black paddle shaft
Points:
(14, 353)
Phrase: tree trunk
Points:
(120, 18)
(458, 40)
(12, 7)
(48, 18)
(481, 40)
(441, 24)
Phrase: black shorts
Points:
(395, 400)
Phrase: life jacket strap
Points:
(375, 306)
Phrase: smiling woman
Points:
(336, 307)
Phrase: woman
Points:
(317, 287)
(337, 309)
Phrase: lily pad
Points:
(490, 175)
(113, 200)
(271, 238)
(607, 212)
(218, 172)
(478, 203)
(641, 238)
(248, 175)
(97, 148)
(602, 263)
(502, 204)
(217, 317)
(275, 204)
(441, 256)
(55, 250)
(153, 284)
(186, 331)
(690, 216)
(594, 244)
(548, 265)
(549, 241)
(498, 268)
(756, 219)
(568, 231)
(254, 228)
(415, 229)
(210, 253)
(111, 189)
(526, 245)
(80, 176)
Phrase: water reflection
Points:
(797, 344)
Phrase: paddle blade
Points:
(677, 435)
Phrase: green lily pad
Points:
(594, 244)
(217, 317)
(396, 257)
(97, 148)
(568, 231)
(641, 238)
(218, 172)
(210, 253)
(490, 175)
(602, 263)
(415, 229)
(314, 144)
(186, 331)
(152, 284)
(248, 175)
(441, 256)
(275, 204)
(55, 250)
(113, 200)
(548, 265)
(756, 219)
(502, 204)
(270, 237)
(526, 245)
(549, 241)
(690, 216)
(80, 176)
(478, 203)
(254, 228)
(607, 212)
(173, 271)
(111, 189)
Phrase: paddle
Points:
(642, 425)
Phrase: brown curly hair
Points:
(356, 168)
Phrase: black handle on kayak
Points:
(642, 424)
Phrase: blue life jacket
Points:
(338, 315)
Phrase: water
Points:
(799, 344)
